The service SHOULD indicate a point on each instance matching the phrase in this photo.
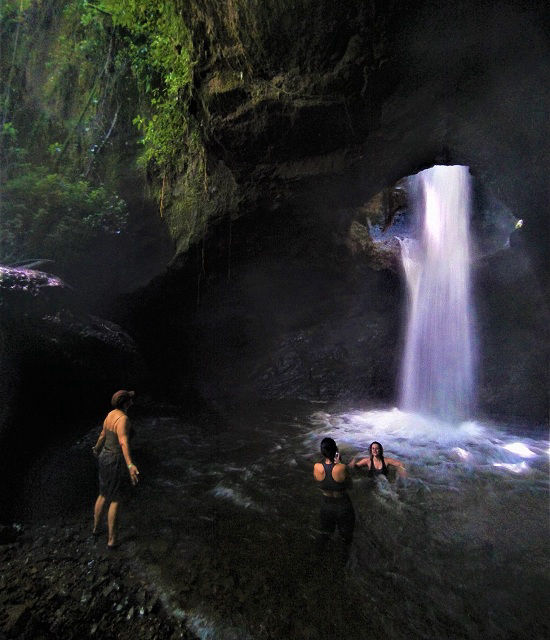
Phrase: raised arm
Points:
(122, 433)
(341, 474)
(363, 462)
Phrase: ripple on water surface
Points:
(457, 549)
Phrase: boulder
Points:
(59, 365)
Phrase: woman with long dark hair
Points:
(336, 508)
(376, 463)
(116, 469)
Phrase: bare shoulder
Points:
(122, 423)
(318, 471)
(110, 419)
(116, 421)
(339, 471)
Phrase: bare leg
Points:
(98, 509)
(111, 522)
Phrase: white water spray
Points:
(437, 374)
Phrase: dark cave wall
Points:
(292, 312)
(513, 320)
(59, 366)
(288, 312)
(274, 300)
(362, 94)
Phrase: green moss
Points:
(198, 198)
(160, 52)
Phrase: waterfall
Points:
(437, 375)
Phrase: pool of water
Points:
(225, 520)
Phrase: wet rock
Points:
(69, 598)
(16, 617)
(43, 329)
(158, 548)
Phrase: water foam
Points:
(431, 445)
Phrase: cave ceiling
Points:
(446, 85)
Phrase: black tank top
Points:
(373, 471)
(328, 483)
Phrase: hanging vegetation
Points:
(58, 111)
(112, 93)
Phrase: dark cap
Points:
(122, 396)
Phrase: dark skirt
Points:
(114, 479)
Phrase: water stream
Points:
(437, 375)
(457, 549)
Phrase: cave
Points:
(238, 262)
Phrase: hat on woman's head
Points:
(122, 396)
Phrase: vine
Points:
(160, 50)
(97, 67)
(58, 88)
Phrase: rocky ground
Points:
(56, 581)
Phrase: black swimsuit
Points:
(373, 471)
(335, 511)
(328, 483)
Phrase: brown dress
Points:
(114, 479)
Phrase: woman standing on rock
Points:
(116, 469)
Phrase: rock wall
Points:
(59, 365)
(306, 120)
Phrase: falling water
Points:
(437, 368)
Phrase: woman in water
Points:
(336, 509)
(377, 464)
(116, 469)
